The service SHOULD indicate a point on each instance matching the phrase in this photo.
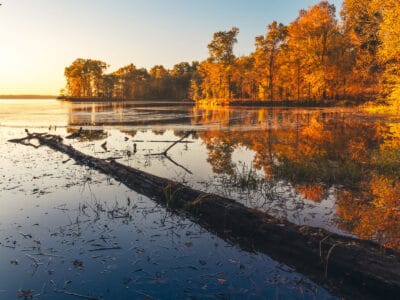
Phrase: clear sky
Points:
(39, 38)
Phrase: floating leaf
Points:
(221, 280)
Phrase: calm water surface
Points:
(332, 168)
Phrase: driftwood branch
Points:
(357, 268)
(25, 142)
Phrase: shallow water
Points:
(56, 216)
(65, 228)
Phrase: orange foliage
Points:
(331, 148)
(315, 57)
(311, 192)
(374, 214)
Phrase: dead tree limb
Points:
(177, 164)
(172, 145)
(165, 152)
(357, 268)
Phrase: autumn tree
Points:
(158, 71)
(221, 53)
(84, 77)
(208, 83)
(266, 54)
(125, 81)
(312, 40)
(389, 49)
(245, 77)
(315, 57)
(108, 85)
(361, 21)
(182, 74)
(221, 46)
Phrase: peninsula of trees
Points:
(317, 57)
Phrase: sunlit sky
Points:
(39, 38)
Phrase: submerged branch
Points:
(172, 145)
(177, 164)
(165, 152)
(357, 268)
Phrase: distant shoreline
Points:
(102, 99)
(27, 97)
(232, 103)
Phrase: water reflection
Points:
(341, 161)
(334, 168)
(67, 230)
(316, 150)
(127, 113)
(88, 134)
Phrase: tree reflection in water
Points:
(344, 158)
(314, 151)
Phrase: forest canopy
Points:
(317, 57)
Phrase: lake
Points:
(334, 168)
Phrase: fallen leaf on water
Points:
(221, 280)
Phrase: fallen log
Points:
(348, 266)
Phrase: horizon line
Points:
(26, 96)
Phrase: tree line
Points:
(86, 78)
(316, 57)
